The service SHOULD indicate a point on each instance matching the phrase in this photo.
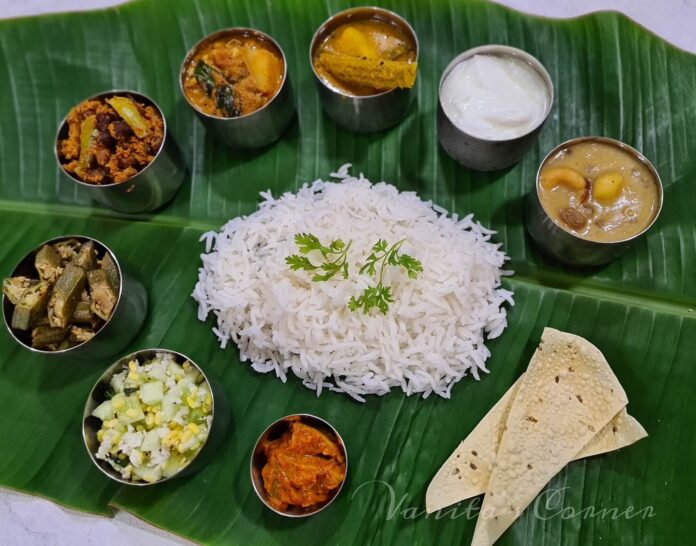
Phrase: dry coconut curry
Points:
(110, 139)
(304, 467)
(366, 57)
(234, 75)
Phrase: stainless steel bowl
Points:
(486, 154)
(370, 113)
(122, 326)
(261, 127)
(148, 190)
(91, 424)
(258, 460)
(556, 241)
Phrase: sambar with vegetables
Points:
(233, 75)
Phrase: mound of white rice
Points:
(433, 333)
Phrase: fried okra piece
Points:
(41, 320)
(83, 313)
(65, 344)
(109, 266)
(67, 249)
(103, 295)
(66, 294)
(80, 335)
(44, 337)
(48, 263)
(86, 257)
(30, 305)
(14, 287)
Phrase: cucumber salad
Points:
(155, 419)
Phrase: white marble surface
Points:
(29, 521)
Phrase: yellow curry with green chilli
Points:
(304, 467)
(234, 75)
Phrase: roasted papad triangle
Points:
(568, 394)
(466, 472)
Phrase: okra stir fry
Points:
(110, 139)
(73, 293)
(155, 419)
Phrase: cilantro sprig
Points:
(382, 255)
(335, 260)
(335, 257)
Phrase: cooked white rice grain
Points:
(431, 337)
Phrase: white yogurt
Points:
(494, 97)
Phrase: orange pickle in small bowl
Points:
(299, 465)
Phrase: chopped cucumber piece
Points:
(151, 441)
(117, 381)
(147, 474)
(170, 405)
(158, 373)
(119, 402)
(152, 393)
(133, 411)
(175, 369)
(193, 376)
(104, 411)
(172, 465)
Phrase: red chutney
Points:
(304, 467)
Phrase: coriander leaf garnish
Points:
(335, 260)
(299, 262)
(375, 296)
(380, 296)
(335, 257)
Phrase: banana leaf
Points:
(612, 78)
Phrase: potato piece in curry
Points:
(304, 467)
(366, 57)
(110, 139)
(233, 75)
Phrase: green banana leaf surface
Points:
(611, 77)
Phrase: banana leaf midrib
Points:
(637, 311)
(608, 291)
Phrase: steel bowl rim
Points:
(112, 92)
(510, 51)
(119, 298)
(108, 374)
(623, 146)
(376, 11)
(277, 422)
(211, 37)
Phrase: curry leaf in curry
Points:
(225, 101)
(204, 76)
